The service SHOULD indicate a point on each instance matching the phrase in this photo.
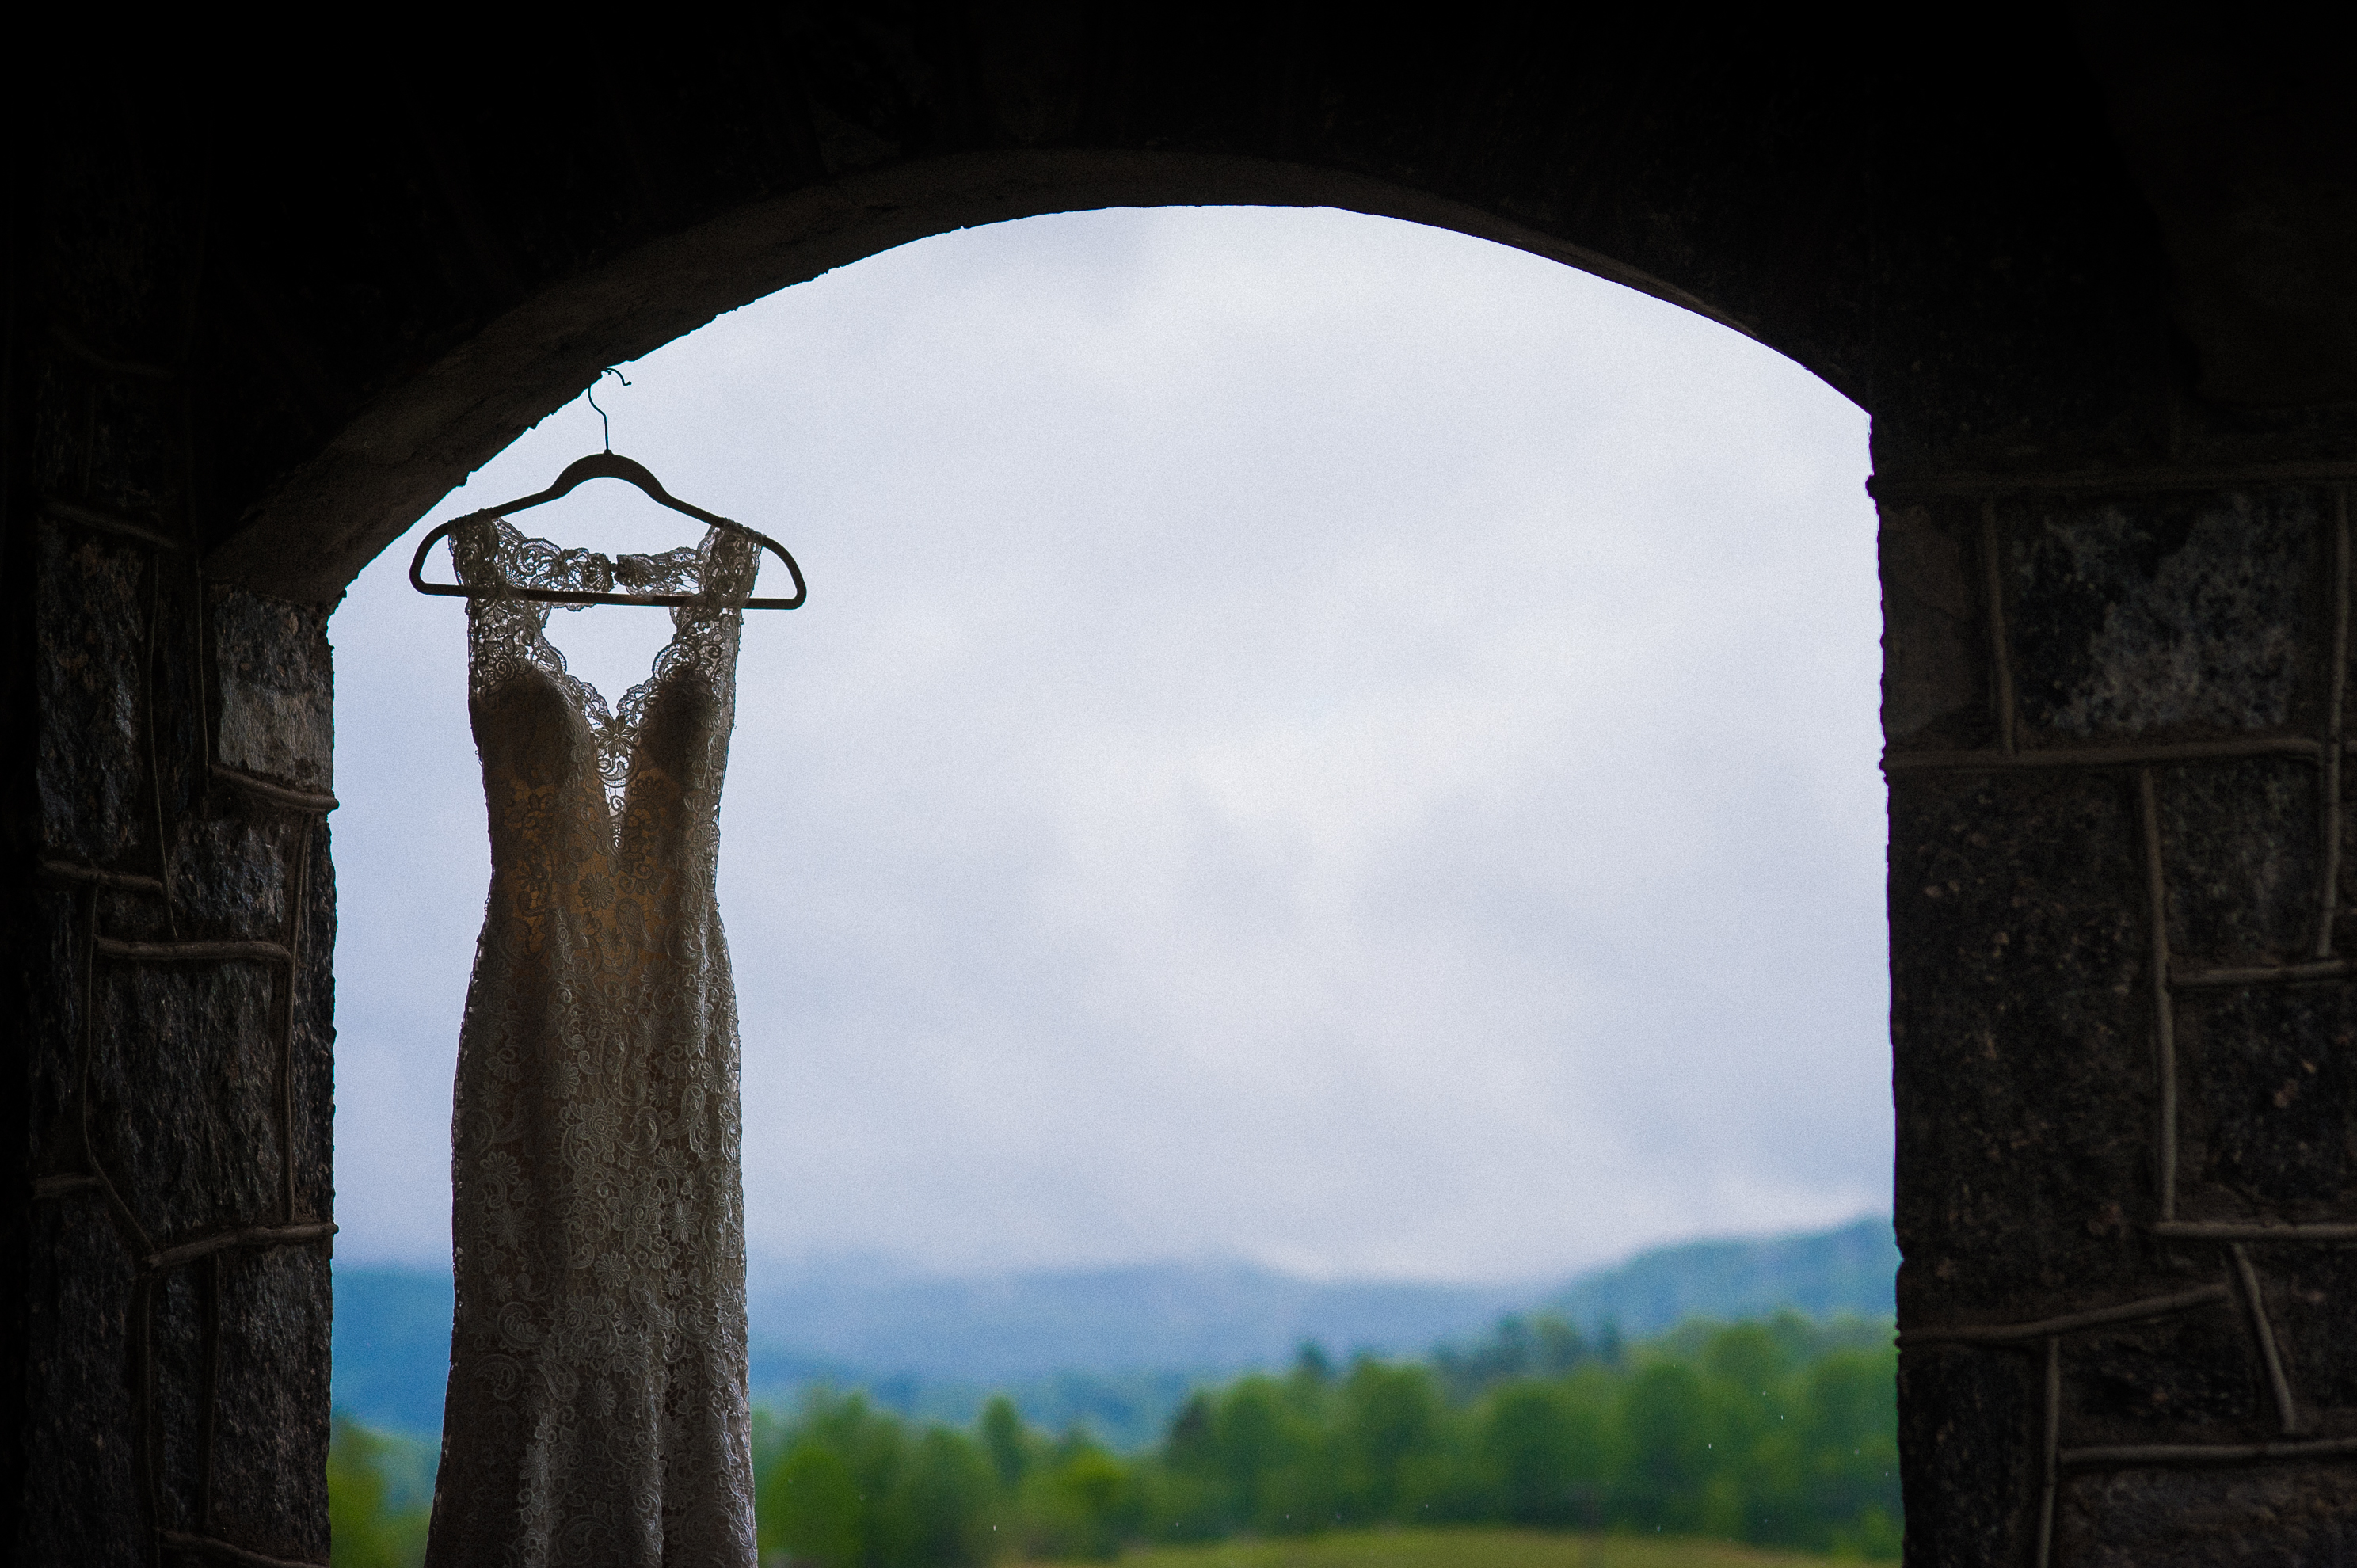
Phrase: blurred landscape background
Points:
(1116, 1350)
(1736, 1390)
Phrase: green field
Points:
(1467, 1549)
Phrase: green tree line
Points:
(1777, 1433)
(1781, 1433)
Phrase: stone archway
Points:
(255, 327)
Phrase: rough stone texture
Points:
(1934, 686)
(2270, 1079)
(2193, 1377)
(2302, 1516)
(270, 1447)
(275, 718)
(82, 1415)
(2310, 1288)
(2246, 859)
(179, 1104)
(2028, 1070)
(2023, 1042)
(93, 778)
(186, 1396)
(2193, 614)
(273, 317)
(1962, 1417)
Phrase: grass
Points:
(1468, 1549)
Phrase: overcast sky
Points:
(1313, 739)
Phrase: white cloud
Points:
(1312, 738)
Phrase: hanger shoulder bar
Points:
(606, 466)
(567, 596)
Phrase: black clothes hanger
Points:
(607, 465)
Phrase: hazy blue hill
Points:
(391, 1342)
(1822, 1273)
(1115, 1349)
(1201, 1318)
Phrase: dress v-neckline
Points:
(509, 634)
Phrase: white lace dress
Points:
(596, 1407)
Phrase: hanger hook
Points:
(607, 424)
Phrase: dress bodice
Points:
(508, 642)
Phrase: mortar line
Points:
(105, 522)
(134, 369)
(2067, 1323)
(2053, 1450)
(270, 789)
(297, 894)
(196, 1249)
(2286, 1407)
(127, 1223)
(2168, 754)
(2000, 650)
(213, 1289)
(2336, 696)
(2326, 1233)
(215, 1550)
(142, 1360)
(1901, 486)
(2140, 1455)
(2262, 975)
(197, 622)
(148, 716)
(2164, 1015)
(89, 438)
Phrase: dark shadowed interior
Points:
(2095, 277)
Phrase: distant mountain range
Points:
(1214, 1317)
(1822, 1273)
(1117, 1348)
(391, 1347)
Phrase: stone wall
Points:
(169, 965)
(2122, 1008)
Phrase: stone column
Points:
(2125, 1024)
(169, 921)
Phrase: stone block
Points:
(2021, 1023)
(2191, 1376)
(2179, 617)
(1969, 1424)
(2242, 847)
(1935, 692)
(2307, 1291)
(90, 772)
(277, 713)
(2289, 1516)
(2267, 1099)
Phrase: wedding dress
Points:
(597, 1404)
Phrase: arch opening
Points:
(1232, 613)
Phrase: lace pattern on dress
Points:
(505, 633)
(597, 1409)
